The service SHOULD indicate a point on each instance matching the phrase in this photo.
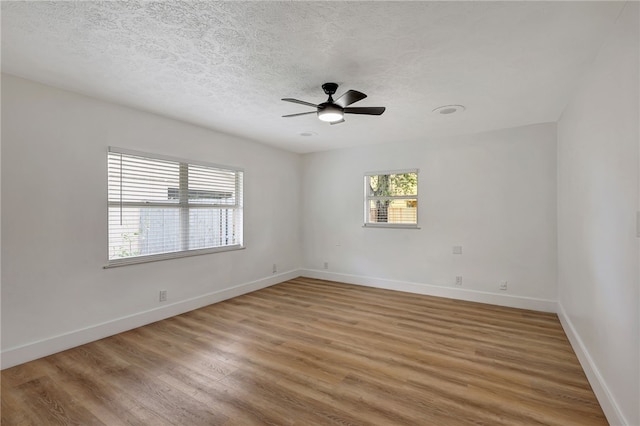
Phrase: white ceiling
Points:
(226, 65)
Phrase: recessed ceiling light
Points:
(449, 109)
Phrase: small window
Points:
(391, 198)
(161, 207)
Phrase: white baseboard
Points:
(511, 301)
(41, 348)
(597, 382)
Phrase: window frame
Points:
(182, 205)
(368, 198)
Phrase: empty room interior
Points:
(309, 213)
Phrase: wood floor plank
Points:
(314, 352)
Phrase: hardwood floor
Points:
(312, 352)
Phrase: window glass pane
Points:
(143, 231)
(135, 179)
(159, 230)
(404, 184)
(124, 233)
(393, 211)
(393, 185)
(207, 186)
(211, 228)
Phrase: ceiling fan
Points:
(333, 111)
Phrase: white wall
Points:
(492, 193)
(598, 140)
(54, 147)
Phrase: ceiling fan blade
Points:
(365, 110)
(296, 101)
(337, 122)
(349, 97)
(300, 113)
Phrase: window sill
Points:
(390, 225)
(116, 263)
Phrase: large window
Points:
(391, 199)
(161, 207)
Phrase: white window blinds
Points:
(161, 207)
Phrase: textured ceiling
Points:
(226, 65)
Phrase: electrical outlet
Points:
(275, 268)
(326, 265)
(503, 285)
(162, 296)
(457, 249)
(459, 280)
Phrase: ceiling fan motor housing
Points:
(330, 88)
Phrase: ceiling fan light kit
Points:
(333, 111)
(330, 113)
